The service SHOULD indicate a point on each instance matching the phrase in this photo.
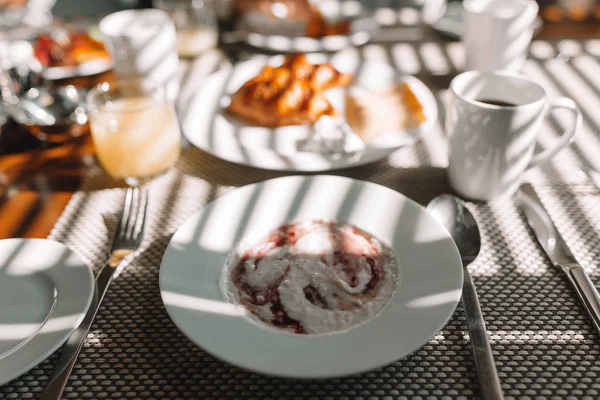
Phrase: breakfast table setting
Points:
(423, 225)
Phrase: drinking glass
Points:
(134, 129)
(497, 33)
(195, 22)
(142, 44)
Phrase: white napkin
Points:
(334, 137)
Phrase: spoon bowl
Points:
(451, 212)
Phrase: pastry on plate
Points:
(372, 114)
(294, 10)
(290, 94)
(315, 24)
(65, 48)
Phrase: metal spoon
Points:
(460, 223)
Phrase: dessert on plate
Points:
(337, 108)
(375, 113)
(314, 22)
(65, 48)
(290, 94)
(313, 277)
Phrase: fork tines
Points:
(131, 225)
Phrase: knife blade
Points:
(591, 175)
(557, 250)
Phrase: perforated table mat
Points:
(544, 343)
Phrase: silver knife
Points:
(590, 174)
(558, 252)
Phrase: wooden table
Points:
(37, 182)
(36, 185)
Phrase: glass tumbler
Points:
(134, 129)
(195, 22)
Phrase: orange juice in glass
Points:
(134, 129)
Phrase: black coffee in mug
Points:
(493, 120)
(497, 103)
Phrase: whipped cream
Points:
(313, 277)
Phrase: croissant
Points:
(290, 94)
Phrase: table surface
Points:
(37, 181)
(37, 185)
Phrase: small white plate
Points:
(207, 125)
(284, 36)
(86, 69)
(45, 291)
(430, 268)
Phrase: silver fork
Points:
(127, 239)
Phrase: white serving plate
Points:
(86, 69)
(429, 289)
(207, 126)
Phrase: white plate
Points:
(86, 69)
(280, 36)
(45, 291)
(207, 125)
(429, 289)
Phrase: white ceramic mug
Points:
(143, 45)
(498, 33)
(491, 145)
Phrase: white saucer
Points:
(86, 69)
(45, 291)
(430, 269)
(207, 125)
(285, 36)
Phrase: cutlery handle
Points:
(57, 382)
(489, 382)
(587, 292)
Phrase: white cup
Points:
(498, 33)
(143, 46)
(491, 146)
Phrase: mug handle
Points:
(567, 138)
